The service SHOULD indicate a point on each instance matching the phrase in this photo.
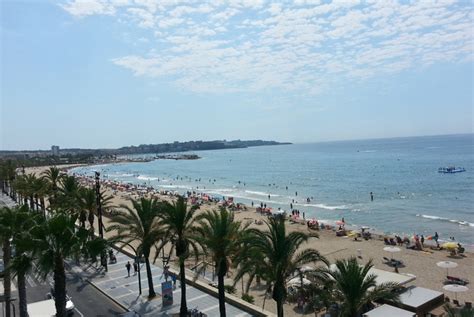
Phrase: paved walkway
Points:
(124, 290)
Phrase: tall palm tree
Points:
(248, 262)
(53, 178)
(22, 261)
(280, 256)
(139, 224)
(88, 204)
(221, 237)
(355, 288)
(8, 173)
(178, 220)
(40, 188)
(21, 187)
(13, 223)
(56, 239)
(67, 198)
(30, 180)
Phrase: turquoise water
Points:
(410, 196)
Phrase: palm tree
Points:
(221, 237)
(248, 262)
(22, 261)
(30, 180)
(139, 225)
(13, 223)
(56, 239)
(8, 173)
(53, 177)
(67, 198)
(178, 220)
(280, 257)
(355, 288)
(88, 204)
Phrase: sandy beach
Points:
(422, 264)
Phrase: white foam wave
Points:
(175, 186)
(146, 178)
(368, 151)
(124, 175)
(323, 206)
(261, 193)
(459, 222)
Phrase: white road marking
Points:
(209, 308)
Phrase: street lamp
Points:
(103, 258)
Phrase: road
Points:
(86, 298)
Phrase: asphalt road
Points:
(86, 298)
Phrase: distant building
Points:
(55, 150)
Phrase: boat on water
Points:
(451, 170)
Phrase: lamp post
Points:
(103, 257)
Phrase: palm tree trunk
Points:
(221, 290)
(60, 287)
(183, 311)
(22, 305)
(32, 203)
(280, 308)
(7, 277)
(151, 290)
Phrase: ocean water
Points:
(410, 196)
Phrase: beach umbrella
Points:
(455, 289)
(447, 265)
(352, 234)
(305, 268)
(392, 250)
(449, 245)
(298, 281)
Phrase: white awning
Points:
(386, 276)
(389, 311)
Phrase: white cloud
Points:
(247, 45)
(81, 8)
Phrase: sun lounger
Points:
(456, 280)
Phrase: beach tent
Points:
(388, 311)
(386, 276)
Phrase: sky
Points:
(111, 73)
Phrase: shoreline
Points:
(422, 264)
(468, 245)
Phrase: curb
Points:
(107, 295)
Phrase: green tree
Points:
(53, 178)
(221, 237)
(56, 239)
(88, 205)
(178, 220)
(10, 225)
(22, 262)
(139, 224)
(280, 257)
(354, 287)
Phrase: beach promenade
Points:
(125, 290)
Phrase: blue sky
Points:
(109, 73)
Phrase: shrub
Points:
(229, 289)
(248, 298)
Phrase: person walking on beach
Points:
(128, 266)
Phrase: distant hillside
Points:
(148, 148)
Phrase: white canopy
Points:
(386, 276)
(389, 311)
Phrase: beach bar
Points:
(389, 311)
(383, 276)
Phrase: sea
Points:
(329, 181)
